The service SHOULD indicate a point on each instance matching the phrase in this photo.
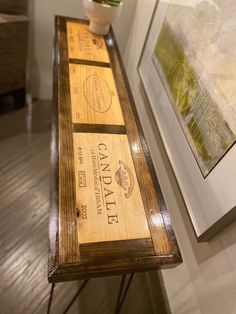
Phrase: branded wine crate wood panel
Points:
(108, 198)
(84, 45)
(94, 98)
(107, 213)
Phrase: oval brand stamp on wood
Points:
(97, 93)
(94, 97)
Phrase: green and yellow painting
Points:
(198, 70)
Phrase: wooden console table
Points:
(108, 215)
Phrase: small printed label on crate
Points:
(107, 192)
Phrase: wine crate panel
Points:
(117, 249)
(94, 98)
(84, 45)
(108, 199)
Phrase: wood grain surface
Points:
(99, 128)
(67, 237)
(114, 249)
(108, 199)
(151, 193)
(94, 97)
(24, 207)
(70, 259)
(84, 45)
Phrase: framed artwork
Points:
(188, 69)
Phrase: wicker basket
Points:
(13, 48)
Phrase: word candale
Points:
(103, 181)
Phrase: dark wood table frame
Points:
(65, 263)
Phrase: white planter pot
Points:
(100, 16)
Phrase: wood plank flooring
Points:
(24, 206)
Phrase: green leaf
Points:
(109, 2)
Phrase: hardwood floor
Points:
(24, 206)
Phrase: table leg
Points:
(123, 292)
(76, 295)
(50, 298)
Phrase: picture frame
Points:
(210, 196)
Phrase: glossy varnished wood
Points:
(99, 128)
(84, 45)
(24, 206)
(115, 249)
(135, 135)
(107, 192)
(102, 259)
(94, 98)
(67, 236)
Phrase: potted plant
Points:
(101, 14)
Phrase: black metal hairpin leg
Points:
(76, 295)
(123, 292)
(50, 298)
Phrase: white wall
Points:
(41, 13)
(206, 281)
